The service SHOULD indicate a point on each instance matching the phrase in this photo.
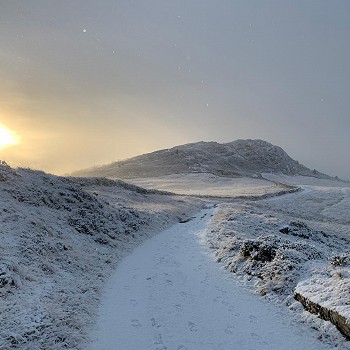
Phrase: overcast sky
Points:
(88, 82)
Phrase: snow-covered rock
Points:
(326, 292)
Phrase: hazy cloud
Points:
(88, 82)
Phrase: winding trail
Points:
(169, 294)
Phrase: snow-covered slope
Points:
(60, 240)
(237, 158)
(297, 244)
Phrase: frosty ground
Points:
(60, 241)
(206, 184)
(282, 245)
(168, 294)
(62, 238)
(297, 243)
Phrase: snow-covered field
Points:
(297, 243)
(168, 294)
(62, 238)
(205, 184)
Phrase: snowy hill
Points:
(234, 159)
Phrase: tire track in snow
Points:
(169, 294)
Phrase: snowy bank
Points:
(277, 243)
(326, 293)
(60, 240)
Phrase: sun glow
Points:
(7, 137)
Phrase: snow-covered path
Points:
(169, 294)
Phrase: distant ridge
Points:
(233, 159)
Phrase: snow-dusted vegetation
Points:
(291, 245)
(60, 240)
(169, 294)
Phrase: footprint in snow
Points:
(133, 302)
(178, 307)
(257, 337)
(136, 324)
(192, 327)
(229, 329)
(220, 290)
(159, 341)
(217, 299)
(176, 263)
(252, 319)
(155, 323)
(205, 278)
(161, 261)
(152, 298)
(181, 347)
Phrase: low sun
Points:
(7, 137)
